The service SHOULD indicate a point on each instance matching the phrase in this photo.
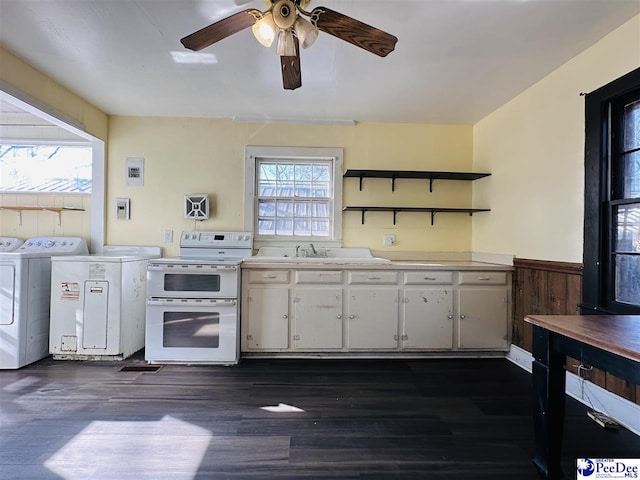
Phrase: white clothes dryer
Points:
(98, 303)
(25, 289)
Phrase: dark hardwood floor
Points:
(391, 419)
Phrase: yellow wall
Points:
(28, 80)
(534, 147)
(184, 156)
(43, 223)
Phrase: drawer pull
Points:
(484, 279)
(269, 276)
(371, 277)
(430, 278)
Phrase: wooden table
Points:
(608, 342)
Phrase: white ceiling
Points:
(455, 62)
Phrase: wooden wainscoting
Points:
(554, 288)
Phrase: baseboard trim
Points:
(623, 411)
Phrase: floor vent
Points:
(141, 368)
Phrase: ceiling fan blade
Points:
(354, 31)
(222, 29)
(291, 72)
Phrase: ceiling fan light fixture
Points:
(286, 44)
(305, 31)
(265, 30)
(284, 14)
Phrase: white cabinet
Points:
(335, 311)
(427, 318)
(372, 310)
(317, 318)
(483, 311)
(427, 310)
(265, 310)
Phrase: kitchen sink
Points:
(334, 256)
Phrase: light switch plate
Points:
(389, 240)
(122, 209)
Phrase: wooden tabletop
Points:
(619, 334)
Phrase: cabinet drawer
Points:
(483, 278)
(268, 276)
(386, 278)
(326, 276)
(427, 278)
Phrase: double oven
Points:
(193, 301)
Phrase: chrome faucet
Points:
(315, 252)
(297, 250)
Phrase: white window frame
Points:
(304, 154)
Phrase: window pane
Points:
(266, 208)
(287, 191)
(628, 279)
(627, 228)
(284, 227)
(320, 228)
(266, 227)
(285, 172)
(303, 209)
(284, 209)
(303, 172)
(45, 168)
(302, 228)
(632, 126)
(631, 175)
(321, 173)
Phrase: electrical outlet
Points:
(168, 236)
(389, 240)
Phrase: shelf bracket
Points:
(362, 213)
(433, 216)
(394, 215)
(393, 189)
(431, 184)
(361, 186)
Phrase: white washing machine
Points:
(25, 289)
(98, 303)
(9, 244)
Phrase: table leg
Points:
(549, 403)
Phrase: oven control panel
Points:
(199, 239)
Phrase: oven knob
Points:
(49, 244)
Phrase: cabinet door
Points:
(317, 320)
(372, 320)
(427, 315)
(483, 318)
(268, 319)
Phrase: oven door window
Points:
(191, 330)
(184, 282)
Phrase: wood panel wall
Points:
(554, 288)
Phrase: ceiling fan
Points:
(294, 27)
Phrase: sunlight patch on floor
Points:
(136, 447)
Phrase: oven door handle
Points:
(177, 267)
(191, 302)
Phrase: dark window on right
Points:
(611, 278)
